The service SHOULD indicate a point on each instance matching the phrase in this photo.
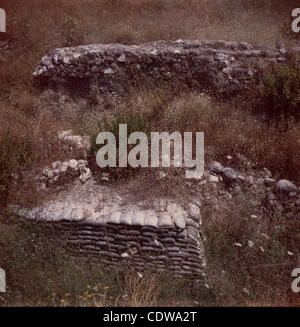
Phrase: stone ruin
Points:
(91, 219)
(203, 65)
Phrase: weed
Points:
(281, 91)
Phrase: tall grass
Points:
(247, 250)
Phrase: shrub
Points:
(281, 90)
(135, 123)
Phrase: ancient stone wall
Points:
(222, 65)
(97, 222)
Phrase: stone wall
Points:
(92, 220)
(222, 65)
(141, 247)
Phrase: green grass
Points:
(40, 272)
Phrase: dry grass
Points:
(256, 275)
(229, 127)
(142, 290)
(36, 26)
(132, 21)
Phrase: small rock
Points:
(56, 172)
(122, 58)
(73, 163)
(45, 171)
(286, 186)
(229, 175)
(64, 167)
(108, 71)
(216, 168)
(213, 179)
(282, 51)
(220, 56)
(162, 174)
(56, 165)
